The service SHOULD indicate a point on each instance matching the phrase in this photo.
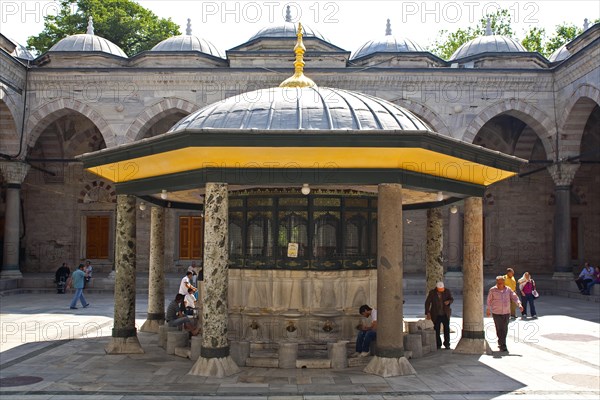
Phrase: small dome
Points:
(287, 29)
(88, 42)
(20, 51)
(560, 54)
(387, 44)
(188, 42)
(308, 108)
(489, 43)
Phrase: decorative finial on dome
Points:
(388, 28)
(586, 24)
(488, 28)
(288, 14)
(188, 29)
(90, 27)
(298, 79)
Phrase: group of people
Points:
(502, 302)
(185, 302)
(588, 277)
(78, 280)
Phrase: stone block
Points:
(162, 334)
(413, 343)
(337, 354)
(239, 351)
(177, 339)
(195, 347)
(288, 354)
(428, 337)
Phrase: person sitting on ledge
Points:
(176, 317)
(367, 331)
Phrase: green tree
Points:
(534, 40)
(563, 33)
(124, 22)
(448, 42)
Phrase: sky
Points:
(347, 23)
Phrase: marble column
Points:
(434, 270)
(562, 175)
(215, 360)
(156, 273)
(473, 337)
(124, 336)
(454, 276)
(14, 174)
(389, 358)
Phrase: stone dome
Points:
(188, 42)
(88, 42)
(387, 44)
(560, 54)
(309, 108)
(287, 29)
(489, 43)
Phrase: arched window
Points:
(259, 235)
(325, 241)
(355, 234)
(293, 228)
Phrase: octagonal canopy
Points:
(297, 134)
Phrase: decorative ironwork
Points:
(327, 202)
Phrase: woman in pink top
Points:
(526, 287)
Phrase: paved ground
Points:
(48, 351)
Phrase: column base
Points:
(215, 367)
(10, 274)
(472, 346)
(563, 276)
(151, 325)
(387, 367)
(119, 345)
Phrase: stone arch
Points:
(572, 123)
(426, 114)
(151, 115)
(51, 111)
(539, 121)
(9, 124)
(97, 191)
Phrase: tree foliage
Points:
(124, 22)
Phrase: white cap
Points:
(439, 285)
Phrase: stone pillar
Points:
(473, 338)
(215, 360)
(563, 175)
(14, 174)
(124, 336)
(389, 357)
(434, 270)
(156, 273)
(454, 275)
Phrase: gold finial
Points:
(298, 79)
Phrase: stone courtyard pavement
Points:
(48, 351)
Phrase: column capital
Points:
(563, 174)
(14, 171)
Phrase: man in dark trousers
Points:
(61, 276)
(437, 309)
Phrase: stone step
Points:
(313, 363)
(359, 361)
(184, 352)
(262, 362)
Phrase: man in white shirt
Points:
(367, 330)
(186, 284)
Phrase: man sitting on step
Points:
(176, 316)
(367, 331)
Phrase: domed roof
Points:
(560, 54)
(21, 51)
(489, 43)
(387, 44)
(188, 42)
(287, 29)
(88, 42)
(310, 108)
